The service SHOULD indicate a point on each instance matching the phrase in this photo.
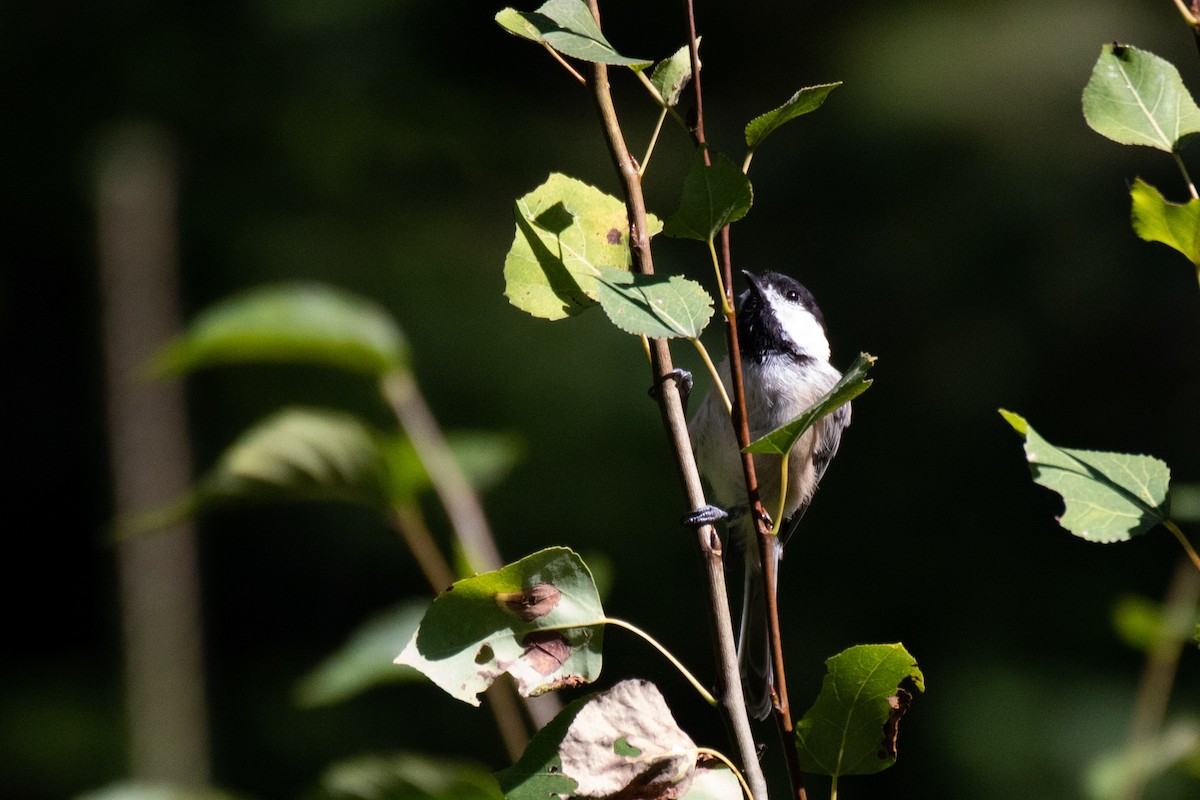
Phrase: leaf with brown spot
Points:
(539, 619)
(529, 604)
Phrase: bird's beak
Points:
(752, 279)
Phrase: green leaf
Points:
(299, 454)
(538, 619)
(851, 728)
(654, 305)
(619, 743)
(145, 790)
(566, 232)
(1135, 97)
(408, 776)
(365, 660)
(317, 455)
(485, 457)
(1110, 497)
(802, 102)
(672, 74)
(1155, 219)
(569, 27)
(713, 197)
(1117, 775)
(300, 322)
(717, 783)
(851, 385)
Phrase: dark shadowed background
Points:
(948, 207)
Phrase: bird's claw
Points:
(705, 515)
(682, 378)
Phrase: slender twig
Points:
(728, 689)
(410, 526)
(1186, 177)
(1183, 540)
(667, 654)
(766, 542)
(718, 384)
(565, 64)
(458, 498)
(653, 141)
(1162, 662)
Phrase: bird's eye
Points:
(792, 295)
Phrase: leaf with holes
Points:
(1109, 497)
(851, 385)
(851, 728)
(654, 305)
(299, 322)
(566, 232)
(569, 27)
(1135, 97)
(538, 619)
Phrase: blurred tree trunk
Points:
(157, 574)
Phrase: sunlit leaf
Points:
(802, 102)
(672, 74)
(407, 776)
(569, 27)
(301, 322)
(566, 232)
(1109, 497)
(658, 306)
(1155, 219)
(619, 743)
(713, 197)
(851, 385)
(365, 660)
(1135, 97)
(538, 619)
(716, 783)
(851, 728)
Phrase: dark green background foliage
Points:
(948, 207)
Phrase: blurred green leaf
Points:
(486, 458)
(1185, 502)
(1176, 225)
(569, 27)
(319, 455)
(1138, 621)
(713, 197)
(1109, 497)
(566, 231)
(1135, 97)
(142, 790)
(658, 306)
(620, 743)
(299, 322)
(851, 385)
(1117, 775)
(802, 102)
(672, 74)
(539, 619)
(365, 660)
(407, 776)
(851, 728)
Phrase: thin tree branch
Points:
(462, 506)
(741, 426)
(729, 687)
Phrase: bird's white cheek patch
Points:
(801, 327)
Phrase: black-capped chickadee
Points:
(785, 363)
